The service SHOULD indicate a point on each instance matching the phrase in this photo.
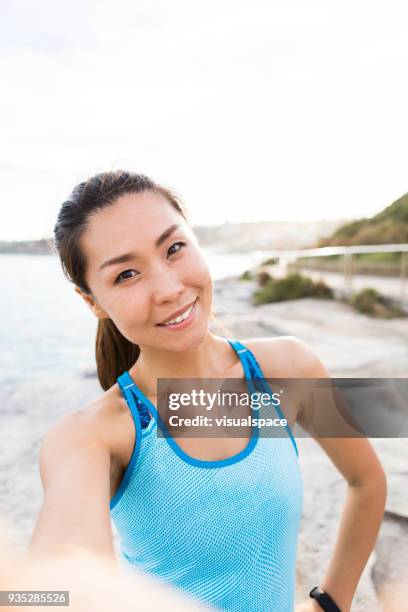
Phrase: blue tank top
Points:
(225, 532)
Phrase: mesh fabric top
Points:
(225, 532)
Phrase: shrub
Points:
(365, 300)
(271, 261)
(321, 290)
(291, 287)
(263, 278)
(370, 302)
(247, 275)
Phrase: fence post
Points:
(404, 266)
(348, 270)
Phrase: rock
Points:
(349, 344)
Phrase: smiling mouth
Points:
(180, 318)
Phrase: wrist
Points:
(323, 600)
(315, 606)
(341, 596)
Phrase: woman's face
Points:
(154, 280)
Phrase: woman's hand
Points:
(94, 583)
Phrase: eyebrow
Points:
(129, 256)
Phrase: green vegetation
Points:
(247, 275)
(294, 286)
(369, 258)
(387, 226)
(263, 277)
(392, 258)
(270, 262)
(384, 264)
(370, 302)
(321, 290)
(290, 287)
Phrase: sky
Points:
(248, 110)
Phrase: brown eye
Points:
(117, 280)
(183, 244)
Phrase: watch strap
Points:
(324, 600)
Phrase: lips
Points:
(177, 313)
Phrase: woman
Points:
(217, 518)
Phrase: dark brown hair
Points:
(114, 353)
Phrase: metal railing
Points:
(286, 257)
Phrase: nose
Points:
(166, 286)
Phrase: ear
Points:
(92, 304)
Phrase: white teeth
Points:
(181, 317)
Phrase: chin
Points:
(187, 340)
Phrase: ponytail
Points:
(113, 352)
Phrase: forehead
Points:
(131, 223)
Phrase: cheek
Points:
(131, 317)
(129, 308)
(202, 279)
(199, 270)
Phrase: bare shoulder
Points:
(286, 357)
(101, 423)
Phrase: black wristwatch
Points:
(324, 600)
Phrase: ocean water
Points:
(46, 328)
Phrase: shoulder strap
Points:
(125, 384)
(242, 352)
(240, 348)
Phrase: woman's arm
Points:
(75, 473)
(72, 544)
(93, 584)
(360, 519)
(365, 500)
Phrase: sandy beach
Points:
(348, 343)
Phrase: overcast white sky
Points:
(249, 110)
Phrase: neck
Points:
(210, 359)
